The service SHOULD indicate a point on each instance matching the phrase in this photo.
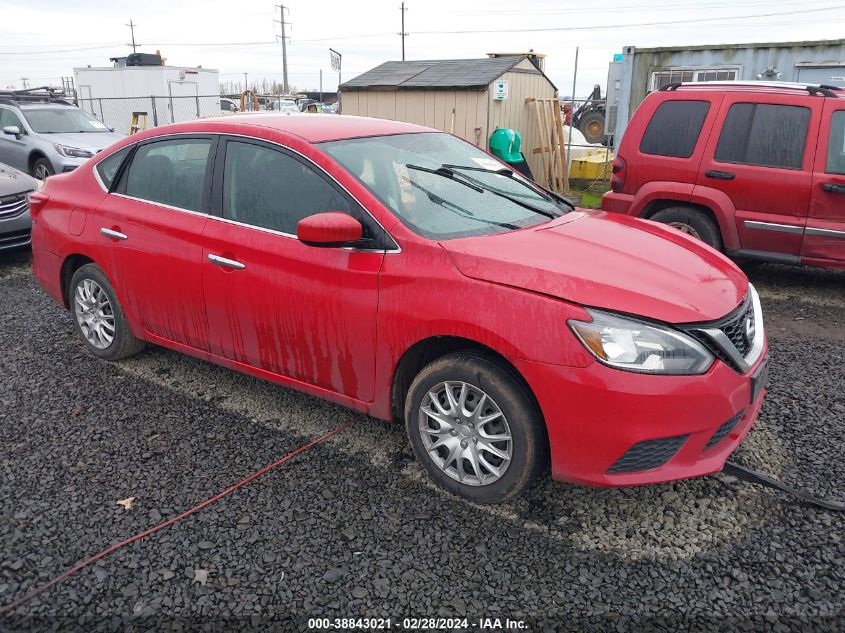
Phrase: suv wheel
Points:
(475, 428)
(692, 221)
(98, 317)
(42, 168)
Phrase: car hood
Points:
(609, 261)
(92, 141)
(13, 181)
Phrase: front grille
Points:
(736, 326)
(648, 454)
(723, 431)
(15, 239)
(13, 206)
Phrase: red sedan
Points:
(406, 274)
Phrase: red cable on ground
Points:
(29, 596)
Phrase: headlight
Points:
(640, 347)
(72, 152)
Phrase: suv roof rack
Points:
(822, 90)
(42, 94)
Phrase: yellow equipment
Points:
(138, 122)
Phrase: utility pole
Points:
(132, 26)
(246, 85)
(23, 81)
(321, 85)
(402, 33)
(282, 8)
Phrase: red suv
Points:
(406, 274)
(754, 169)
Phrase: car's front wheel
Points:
(98, 317)
(475, 427)
(42, 168)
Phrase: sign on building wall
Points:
(500, 89)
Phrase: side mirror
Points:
(331, 228)
(12, 130)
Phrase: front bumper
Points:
(15, 232)
(596, 415)
(64, 164)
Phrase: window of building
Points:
(675, 75)
(674, 128)
(764, 134)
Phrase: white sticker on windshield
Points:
(488, 163)
(99, 125)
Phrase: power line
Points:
(603, 27)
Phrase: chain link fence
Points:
(117, 112)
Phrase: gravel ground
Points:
(352, 528)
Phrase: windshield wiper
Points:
(504, 171)
(446, 173)
(451, 206)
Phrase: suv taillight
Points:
(617, 180)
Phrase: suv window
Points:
(764, 134)
(836, 144)
(9, 117)
(674, 128)
(107, 168)
(270, 189)
(170, 172)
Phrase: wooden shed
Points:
(467, 97)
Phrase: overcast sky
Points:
(44, 41)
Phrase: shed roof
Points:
(434, 74)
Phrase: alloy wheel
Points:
(465, 433)
(94, 313)
(683, 227)
(41, 172)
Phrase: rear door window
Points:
(674, 128)
(170, 172)
(765, 135)
(836, 144)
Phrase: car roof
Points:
(317, 128)
(44, 105)
(768, 87)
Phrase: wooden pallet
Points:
(552, 145)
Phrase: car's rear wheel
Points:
(98, 317)
(475, 428)
(693, 222)
(42, 168)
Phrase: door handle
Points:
(117, 235)
(715, 174)
(226, 263)
(831, 187)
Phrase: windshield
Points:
(62, 121)
(424, 178)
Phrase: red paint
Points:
(335, 322)
(645, 183)
(331, 227)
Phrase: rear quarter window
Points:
(674, 128)
(107, 168)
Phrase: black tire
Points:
(42, 166)
(702, 224)
(529, 442)
(591, 125)
(124, 344)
